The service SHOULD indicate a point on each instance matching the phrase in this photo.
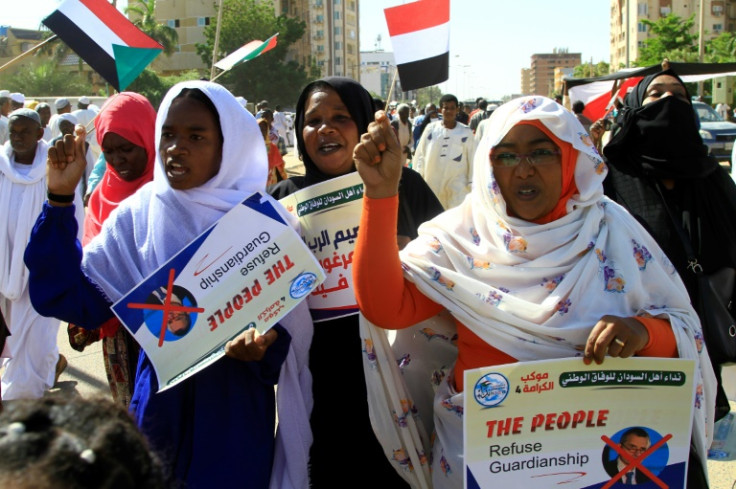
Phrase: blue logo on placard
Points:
(302, 285)
(491, 390)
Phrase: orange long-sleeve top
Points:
(390, 301)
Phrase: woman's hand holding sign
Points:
(250, 346)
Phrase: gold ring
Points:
(619, 342)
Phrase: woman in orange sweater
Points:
(535, 264)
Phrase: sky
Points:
(490, 40)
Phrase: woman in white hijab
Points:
(535, 264)
(216, 428)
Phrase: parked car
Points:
(717, 134)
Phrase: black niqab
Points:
(660, 141)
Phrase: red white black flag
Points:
(420, 37)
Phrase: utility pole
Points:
(701, 44)
(627, 34)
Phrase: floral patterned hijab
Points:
(533, 290)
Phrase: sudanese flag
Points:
(104, 39)
(420, 37)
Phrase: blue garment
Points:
(97, 172)
(215, 429)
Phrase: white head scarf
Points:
(534, 291)
(156, 222)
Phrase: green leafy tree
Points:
(721, 49)
(154, 87)
(269, 76)
(427, 95)
(673, 38)
(587, 70)
(44, 79)
(144, 17)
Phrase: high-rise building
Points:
(628, 32)
(542, 72)
(330, 41)
(526, 81)
(188, 18)
(332, 36)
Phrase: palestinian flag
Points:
(420, 37)
(104, 39)
(246, 53)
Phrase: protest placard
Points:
(329, 214)
(542, 424)
(248, 270)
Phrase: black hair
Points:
(197, 94)
(75, 443)
(380, 104)
(483, 104)
(578, 106)
(448, 97)
(635, 431)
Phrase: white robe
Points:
(30, 351)
(444, 158)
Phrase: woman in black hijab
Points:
(331, 115)
(657, 160)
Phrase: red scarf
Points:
(131, 116)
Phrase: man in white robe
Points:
(444, 155)
(85, 115)
(4, 111)
(32, 347)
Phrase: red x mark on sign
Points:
(636, 462)
(166, 307)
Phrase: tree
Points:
(269, 76)
(721, 49)
(672, 39)
(587, 70)
(145, 19)
(428, 95)
(154, 87)
(44, 79)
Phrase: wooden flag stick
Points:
(393, 84)
(30, 51)
(217, 42)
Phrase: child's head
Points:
(208, 149)
(191, 140)
(75, 443)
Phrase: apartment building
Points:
(332, 36)
(541, 75)
(526, 81)
(628, 32)
(377, 72)
(330, 40)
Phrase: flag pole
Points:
(393, 83)
(217, 42)
(33, 49)
(213, 78)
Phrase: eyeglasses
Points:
(633, 449)
(538, 157)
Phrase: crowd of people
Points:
(492, 225)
